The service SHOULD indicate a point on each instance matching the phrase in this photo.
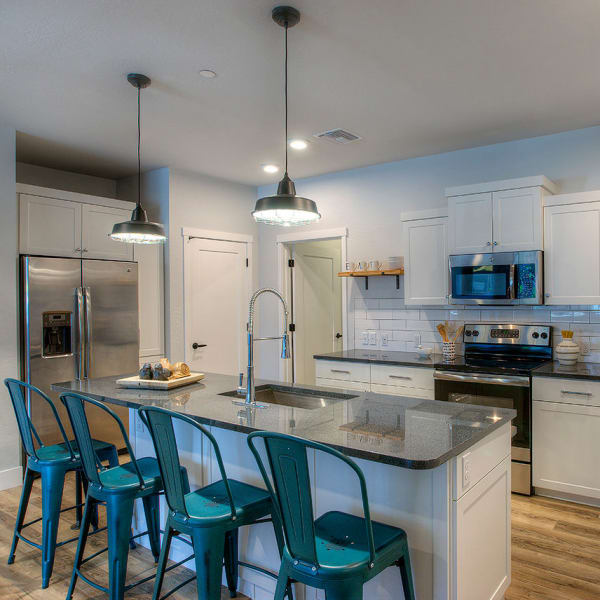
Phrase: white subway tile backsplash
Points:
(497, 315)
(595, 316)
(433, 315)
(561, 315)
(407, 314)
(395, 324)
(581, 316)
(380, 314)
(364, 324)
(391, 303)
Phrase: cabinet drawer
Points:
(566, 391)
(413, 377)
(343, 385)
(343, 371)
(397, 390)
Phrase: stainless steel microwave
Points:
(498, 278)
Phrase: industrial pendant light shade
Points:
(286, 208)
(138, 230)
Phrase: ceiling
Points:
(412, 77)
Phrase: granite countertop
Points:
(580, 370)
(382, 357)
(406, 432)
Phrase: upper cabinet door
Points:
(97, 223)
(149, 258)
(517, 221)
(470, 224)
(425, 261)
(572, 253)
(49, 226)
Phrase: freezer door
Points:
(49, 333)
(112, 329)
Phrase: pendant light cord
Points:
(286, 97)
(139, 200)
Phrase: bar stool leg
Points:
(78, 499)
(231, 561)
(162, 560)
(119, 513)
(88, 511)
(151, 512)
(349, 589)
(53, 481)
(209, 547)
(23, 503)
(406, 574)
(283, 583)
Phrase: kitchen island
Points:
(440, 471)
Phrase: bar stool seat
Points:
(119, 479)
(210, 505)
(60, 452)
(351, 550)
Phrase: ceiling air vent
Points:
(338, 136)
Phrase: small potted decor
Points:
(567, 351)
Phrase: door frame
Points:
(190, 233)
(283, 282)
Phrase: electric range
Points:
(496, 372)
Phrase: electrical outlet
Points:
(584, 348)
(466, 469)
(364, 337)
(385, 338)
(372, 338)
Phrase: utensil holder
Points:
(449, 350)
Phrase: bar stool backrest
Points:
(75, 405)
(18, 392)
(288, 466)
(160, 423)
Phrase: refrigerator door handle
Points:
(88, 330)
(81, 345)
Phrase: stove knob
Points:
(468, 333)
(544, 335)
(475, 333)
(535, 335)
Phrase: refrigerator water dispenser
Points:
(56, 334)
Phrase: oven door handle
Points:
(513, 380)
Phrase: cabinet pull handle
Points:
(400, 377)
(576, 393)
(340, 371)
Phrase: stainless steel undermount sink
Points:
(293, 397)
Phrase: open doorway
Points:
(316, 303)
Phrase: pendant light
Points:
(138, 230)
(286, 208)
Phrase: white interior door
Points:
(216, 290)
(317, 304)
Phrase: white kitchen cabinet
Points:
(517, 220)
(481, 519)
(470, 224)
(565, 436)
(49, 226)
(150, 298)
(359, 386)
(425, 261)
(96, 224)
(572, 253)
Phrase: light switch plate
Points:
(372, 338)
(385, 338)
(466, 469)
(364, 338)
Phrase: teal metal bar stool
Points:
(52, 463)
(118, 488)
(337, 552)
(211, 515)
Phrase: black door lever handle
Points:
(195, 346)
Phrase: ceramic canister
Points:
(567, 352)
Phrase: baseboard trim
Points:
(538, 491)
(10, 478)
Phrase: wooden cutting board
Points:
(155, 384)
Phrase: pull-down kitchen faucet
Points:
(285, 351)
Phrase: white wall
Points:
(65, 180)
(179, 199)
(369, 201)
(10, 458)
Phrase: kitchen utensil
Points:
(458, 333)
(443, 332)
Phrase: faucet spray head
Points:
(285, 346)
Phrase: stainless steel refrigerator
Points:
(79, 319)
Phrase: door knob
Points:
(338, 335)
(195, 345)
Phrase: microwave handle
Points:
(512, 283)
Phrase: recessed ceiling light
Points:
(207, 73)
(270, 168)
(298, 144)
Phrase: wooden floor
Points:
(23, 578)
(555, 550)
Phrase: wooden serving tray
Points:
(155, 384)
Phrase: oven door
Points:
(483, 279)
(495, 391)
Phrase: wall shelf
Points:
(366, 274)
